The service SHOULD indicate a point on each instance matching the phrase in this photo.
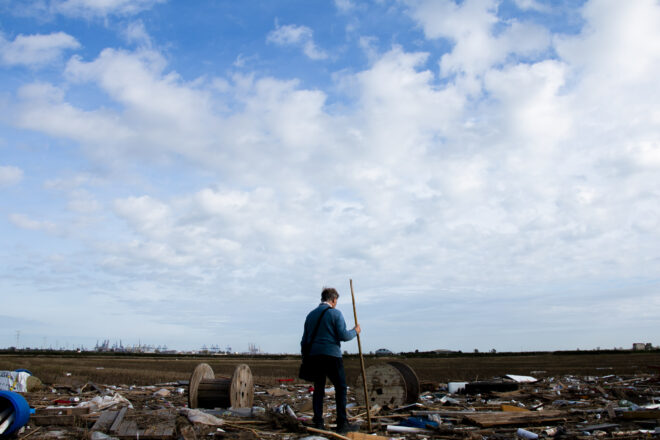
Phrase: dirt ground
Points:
(146, 370)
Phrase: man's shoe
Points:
(347, 427)
(319, 425)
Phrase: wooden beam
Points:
(61, 411)
(328, 433)
(105, 421)
(114, 429)
(68, 420)
(641, 414)
(487, 420)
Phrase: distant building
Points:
(442, 351)
(642, 346)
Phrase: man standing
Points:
(325, 356)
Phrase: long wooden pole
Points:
(364, 375)
(328, 433)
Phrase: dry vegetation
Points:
(144, 370)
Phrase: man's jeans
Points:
(332, 368)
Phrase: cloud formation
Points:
(511, 177)
(36, 50)
(102, 8)
(25, 222)
(297, 36)
(10, 175)
(471, 26)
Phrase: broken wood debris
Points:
(570, 406)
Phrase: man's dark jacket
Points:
(330, 333)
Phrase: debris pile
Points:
(507, 407)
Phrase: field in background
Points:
(148, 370)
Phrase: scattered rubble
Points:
(507, 407)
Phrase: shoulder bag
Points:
(307, 370)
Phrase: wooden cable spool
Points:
(392, 384)
(205, 391)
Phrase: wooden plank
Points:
(327, 433)
(117, 423)
(610, 411)
(127, 429)
(159, 432)
(487, 420)
(93, 386)
(105, 421)
(512, 408)
(63, 420)
(188, 433)
(641, 414)
(601, 427)
(166, 430)
(602, 391)
(363, 436)
(448, 413)
(61, 411)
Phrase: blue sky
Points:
(193, 173)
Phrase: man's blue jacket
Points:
(330, 334)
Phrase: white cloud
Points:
(135, 32)
(71, 183)
(471, 26)
(368, 46)
(25, 222)
(417, 162)
(400, 110)
(36, 50)
(101, 8)
(158, 113)
(532, 106)
(42, 107)
(299, 36)
(295, 118)
(10, 175)
(610, 47)
(448, 19)
(83, 202)
(145, 214)
(534, 5)
(344, 5)
(418, 186)
(225, 202)
(645, 153)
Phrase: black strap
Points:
(308, 345)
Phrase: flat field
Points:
(148, 370)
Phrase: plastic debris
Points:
(523, 433)
(198, 416)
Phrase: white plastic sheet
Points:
(197, 416)
(14, 381)
(99, 403)
(522, 379)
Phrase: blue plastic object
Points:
(23, 370)
(20, 407)
(418, 422)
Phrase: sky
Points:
(194, 173)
